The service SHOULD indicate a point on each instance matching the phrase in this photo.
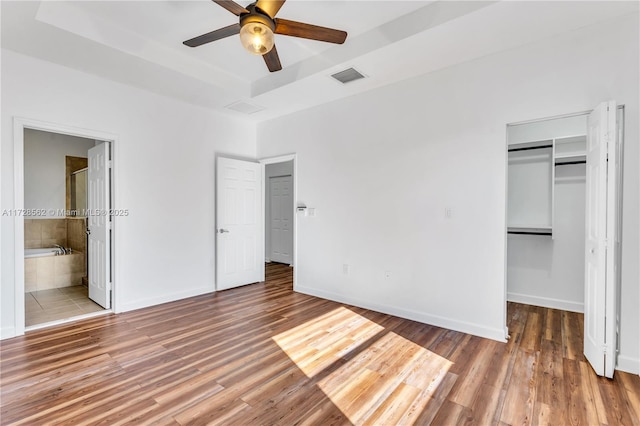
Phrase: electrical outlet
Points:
(448, 212)
(387, 275)
(345, 269)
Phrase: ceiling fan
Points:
(257, 25)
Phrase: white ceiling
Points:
(140, 43)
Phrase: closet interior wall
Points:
(546, 213)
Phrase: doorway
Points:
(563, 185)
(279, 212)
(63, 191)
(242, 251)
(279, 198)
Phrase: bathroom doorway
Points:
(63, 202)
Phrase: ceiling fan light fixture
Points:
(256, 37)
(257, 26)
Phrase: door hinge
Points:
(109, 286)
(109, 164)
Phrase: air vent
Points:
(244, 107)
(347, 76)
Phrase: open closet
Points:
(546, 212)
(563, 221)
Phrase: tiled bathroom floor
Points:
(57, 304)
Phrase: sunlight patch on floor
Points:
(317, 344)
(390, 382)
(387, 380)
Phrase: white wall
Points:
(273, 170)
(381, 167)
(45, 168)
(164, 175)
(549, 272)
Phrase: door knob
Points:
(222, 230)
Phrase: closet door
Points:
(281, 219)
(600, 339)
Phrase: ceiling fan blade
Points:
(270, 7)
(213, 36)
(232, 6)
(272, 60)
(312, 32)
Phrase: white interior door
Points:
(600, 339)
(240, 223)
(281, 217)
(99, 224)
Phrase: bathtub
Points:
(40, 252)
(43, 270)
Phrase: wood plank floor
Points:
(262, 354)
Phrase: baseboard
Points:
(546, 302)
(628, 364)
(165, 298)
(439, 321)
(7, 332)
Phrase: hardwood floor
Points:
(262, 354)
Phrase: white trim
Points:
(263, 225)
(18, 224)
(68, 320)
(505, 235)
(7, 333)
(126, 306)
(546, 302)
(283, 159)
(628, 364)
(19, 125)
(554, 117)
(497, 334)
(279, 159)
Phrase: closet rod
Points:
(529, 148)
(529, 233)
(566, 163)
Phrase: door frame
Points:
(620, 113)
(19, 126)
(294, 180)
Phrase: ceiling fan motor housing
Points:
(255, 15)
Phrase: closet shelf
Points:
(530, 230)
(570, 157)
(519, 147)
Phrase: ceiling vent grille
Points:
(244, 107)
(347, 76)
